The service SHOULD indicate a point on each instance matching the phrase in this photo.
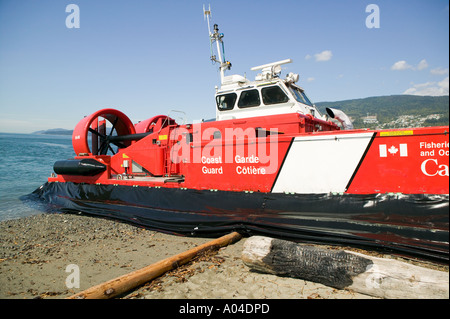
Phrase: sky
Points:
(147, 57)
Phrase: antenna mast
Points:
(217, 38)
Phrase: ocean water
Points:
(26, 161)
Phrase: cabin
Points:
(267, 95)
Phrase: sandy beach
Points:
(37, 253)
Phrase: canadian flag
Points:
(393, 150)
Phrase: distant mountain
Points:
(55, 131)
(394, 111)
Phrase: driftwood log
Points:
(137, 278)
(378, 277)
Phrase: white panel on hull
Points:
(321, 164)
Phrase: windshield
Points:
(273, 95)
(226, 101)
(300, 96)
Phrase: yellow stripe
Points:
(396, 133)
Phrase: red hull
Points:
(290, 157)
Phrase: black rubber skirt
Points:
(411, 225)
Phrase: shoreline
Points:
(38, 253)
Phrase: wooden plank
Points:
(379, 277)
(137, 278)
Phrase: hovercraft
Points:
(269, 163)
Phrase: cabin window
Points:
(300, 96)
(226, 101)
(249, 98)
(273, 95)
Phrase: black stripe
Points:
(360, 161)
(282, 163)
